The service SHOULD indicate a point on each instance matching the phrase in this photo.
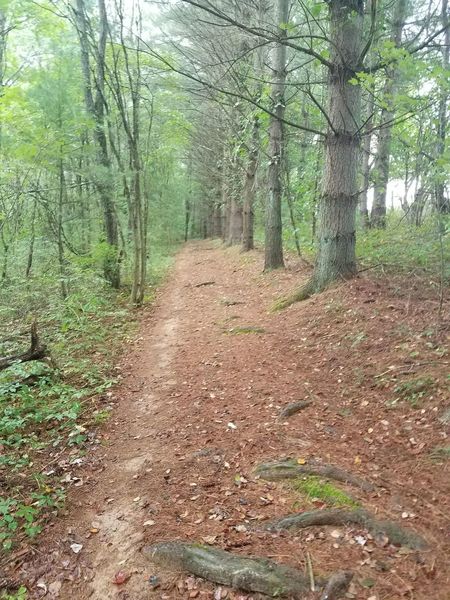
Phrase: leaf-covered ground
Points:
(198, 409)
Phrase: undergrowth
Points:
(49, 411)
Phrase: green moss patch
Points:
(315, 488)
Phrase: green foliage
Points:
(414, 390)
(315, 488)
(21, 594)
(401, 248)
(43, 408)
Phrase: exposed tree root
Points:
(397, 535)
(204, 283)
(37, 351)
(303, 293)
(290, 469)
(337, 585)
(293, 408)
(239, 572)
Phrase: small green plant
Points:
(335, 307)
(101, 416)
(21, 594)
(414, 390)
(441, 453)
(315, 488)
(356, 338)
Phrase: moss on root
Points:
(316, 488)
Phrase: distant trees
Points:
(366, 58)
(91, 147)
(253, 122)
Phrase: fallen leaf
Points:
(41, 585)
(121, 577)
(209, 539)
(76, 548)
(336, 534)
(54, 588)
(301, 461)
(149, 523)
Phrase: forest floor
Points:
(198, 409)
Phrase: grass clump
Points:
(246, 330)
(441, 453)
(315, 488)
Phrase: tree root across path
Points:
(291, 469)
(293, 408)
(377, 528)
(242, 572)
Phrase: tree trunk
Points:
(60, 232)
(366, 167)
(442, 203)
(249, 190)
(187, 218)
(235, 231)
(336, 257)
(32, 240)
(273, 258)
(96, 108)
(383, 155)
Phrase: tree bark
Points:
(382, 159)
(336, 258)
(235, 231)
(249, 189)
(273, 256)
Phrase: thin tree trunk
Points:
(96, 108)
(383, 155)
(366, 166)
(5, 256)
(59, 231)
(291, 209)
(443, 203)
(187, 218)
(249, 190)
(273, 257)
(32, 240)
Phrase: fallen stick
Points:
(293, 408)
(239, 572)
(37, 351)
(396, 534)
(290, 469)
(197, 285)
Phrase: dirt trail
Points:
(197, 410)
